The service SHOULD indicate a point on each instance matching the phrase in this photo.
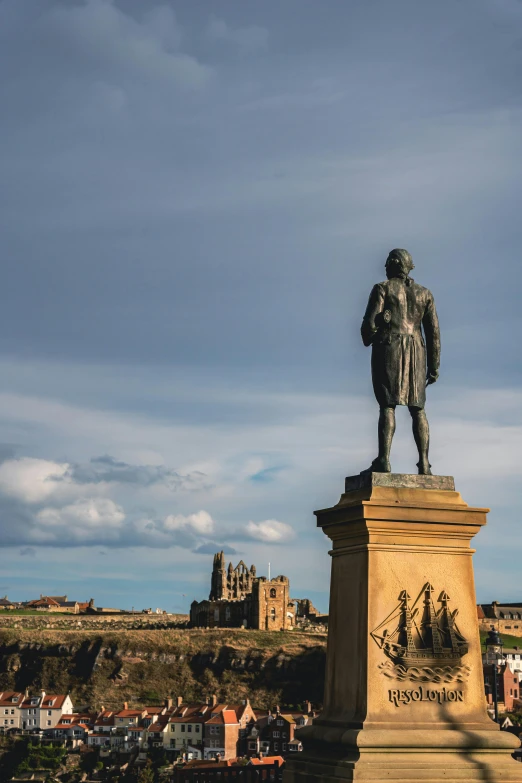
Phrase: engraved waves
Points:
(433, 674)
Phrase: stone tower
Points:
(218, 587)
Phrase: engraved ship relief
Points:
(424, 643)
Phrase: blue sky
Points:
(196, 200)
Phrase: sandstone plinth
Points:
(404, 693)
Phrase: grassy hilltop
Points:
(145, 666)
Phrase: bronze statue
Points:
(403, 361)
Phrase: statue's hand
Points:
(432, 377)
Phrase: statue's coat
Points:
(401, 354)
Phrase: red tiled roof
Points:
(58, 702)
(267, 760)
(229, 716)
(129, 713)
(44, 601)
(6, 699)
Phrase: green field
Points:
(507, 640)
(13, 612)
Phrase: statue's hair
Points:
(404, 258)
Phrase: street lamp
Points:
(495, 659)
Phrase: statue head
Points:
(399, 263)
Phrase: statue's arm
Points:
(375, 306)
(430, 323)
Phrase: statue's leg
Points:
(386, 433)
(421, 434)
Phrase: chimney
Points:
(125, 705)
(213, 700)
(179, 701)
(168, 704)
(308, 707)
(278, 711)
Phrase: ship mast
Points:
(433, 625)
(404, 597)
(450, 619)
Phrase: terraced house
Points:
(22, 711)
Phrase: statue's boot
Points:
(380, 465)
(424, 467)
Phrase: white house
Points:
(44, 711)
(10, 702)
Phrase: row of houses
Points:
(205, 730)
(200, 731)
(49, 603)
(22, 711)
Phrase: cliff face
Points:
(141, 667)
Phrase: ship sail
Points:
(419, 634)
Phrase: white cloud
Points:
(270, 531)
(86, 521)
(31, 480)
(91, 513)
(200, 522)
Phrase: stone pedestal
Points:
(404, 694)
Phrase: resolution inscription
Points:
(421, 693)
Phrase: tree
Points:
(147, 773)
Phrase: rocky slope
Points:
(109, 667)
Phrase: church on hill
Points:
(241, 599)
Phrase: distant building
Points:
(506, 618)
(240, 599)
(508, 688)
(274, 733)
(57, 603)
(5, 603)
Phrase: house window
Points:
(172, 727)
(280, 722)
(6, 721)
(272, 592)
(227, 613)
(49, 722)
(276, 746)
(12, 721)
(12, 712)
(276, 734)
(197, 728)
(6, 712)
(189, 728)
(216, 614)
(183, 727)
(49, 712)
(507, 627)
(284, 746)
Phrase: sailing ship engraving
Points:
(423, 642)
